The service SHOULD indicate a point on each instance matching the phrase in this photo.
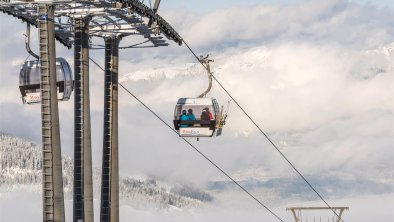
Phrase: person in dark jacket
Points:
(205, 117)
(191, 116)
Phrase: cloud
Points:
(336, 100)
(340, 22)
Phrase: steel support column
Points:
(83, 186)
(110, 169)
(52, 181)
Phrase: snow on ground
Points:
(22, 205)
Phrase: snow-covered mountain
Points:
(334, 123)
(262, 59)
(330, 106)
(157, 74)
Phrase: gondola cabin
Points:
(29, 81)
(196, 117)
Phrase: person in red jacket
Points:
(209, 113)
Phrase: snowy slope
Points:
(244, 62)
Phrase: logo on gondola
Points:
(43, 17)
(190, 131)
(33, 97)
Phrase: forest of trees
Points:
(20, 164)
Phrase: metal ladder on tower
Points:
(110, 168)
(79, 128)
(47, 168)
(107, 160)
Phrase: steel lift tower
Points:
(336, 217)
(52, 181)
(110, 167)
(83, 184)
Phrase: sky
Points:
(316, 75)
(202, 6)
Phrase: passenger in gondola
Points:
(191, 116)
(209, 113)
(183, 117)
(204, 116)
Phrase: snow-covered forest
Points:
(20, 166)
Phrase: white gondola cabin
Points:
(29, 81)
(197, 117)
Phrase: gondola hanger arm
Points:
(27, 42)
(205, 61)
